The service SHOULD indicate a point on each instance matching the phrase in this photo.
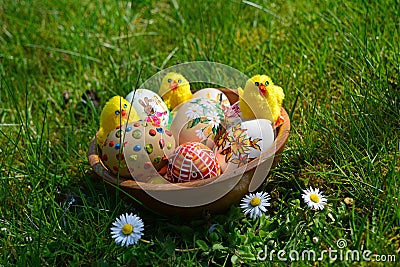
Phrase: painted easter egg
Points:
(149, 106)
(192, 161)
(243, 142)
(214, 94)
(232, 115)
(198, 120)
(139, 149)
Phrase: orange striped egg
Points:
(192, 161)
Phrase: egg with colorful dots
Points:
(138, 150)
(192, 161)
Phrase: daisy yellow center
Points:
(314, 198)
(255, 201)
(127, 229)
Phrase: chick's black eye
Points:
(125, 105)
(169, 80)
(117, 112)
(179, 81)
(266, 83)
(256, 83)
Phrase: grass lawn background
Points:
(338, 63)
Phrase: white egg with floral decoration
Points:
(198, 120)
(243, 142)
(213, 94)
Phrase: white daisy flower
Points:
(200, 134)
(255, 204)
(194, 111)
(208, 103)
(314, 198)
(214, 120)
(127, 230)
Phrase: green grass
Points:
(338, 63)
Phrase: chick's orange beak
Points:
(123, 113)
(173, 85)
(263, 89)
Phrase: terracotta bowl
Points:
(240, 180)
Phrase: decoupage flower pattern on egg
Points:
(239, 145)
(194, 112)
(232, 115)
(213, 94)
(205, 111)
(200, 134)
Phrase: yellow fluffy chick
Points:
(174, 90)
(116, 112)
(261, 99)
